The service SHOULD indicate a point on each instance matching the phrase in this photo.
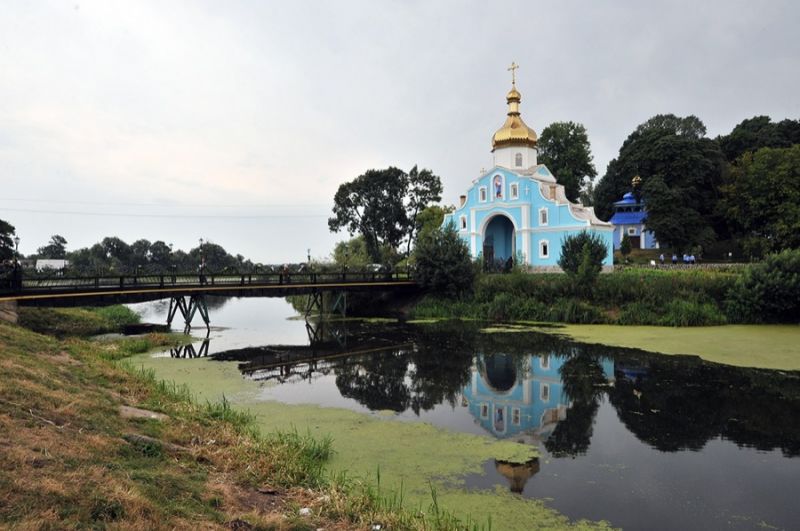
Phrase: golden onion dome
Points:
(514, 132)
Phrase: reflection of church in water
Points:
(520, 397)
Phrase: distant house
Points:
(44, 264)
(629, 218)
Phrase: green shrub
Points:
(691, 313)
(768, 292)
(118, 315)
(638, 313)
(575, 311)
(582, 258)
(443, 263)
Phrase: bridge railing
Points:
(154, 281)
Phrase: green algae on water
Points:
(413, 457)
(754, 346)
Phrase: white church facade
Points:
(516, 210)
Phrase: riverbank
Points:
(98, 442)
(628, 297)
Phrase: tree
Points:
(443, 263)
(424, 188)
(352, 253)
(686, 168)
(768, 292)
(7, 247)
(672, 218)
(582, 258)
(759, 132)
(160, 254)
(625, 246)
(55, 248)
(382, 205)
(564, 148)
(431, 219)
(762, 200)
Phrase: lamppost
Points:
(202, 264)
(16, 252)
(17, 272)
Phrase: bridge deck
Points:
(100, 290)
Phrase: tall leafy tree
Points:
(564, 148)
(7, 232)
(55, 248)
(424, 188)
(762, 200)
(160, 254)
(758, 132)
(687, 170)
(140, 253)
(379, 206)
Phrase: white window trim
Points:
(544, 362)
(518, 160)
(514, 191)
(483, 194)
(502, 186)
(631, 231)
(546, 217)
(542, 244)
(544, 389)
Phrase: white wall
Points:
(505, 157)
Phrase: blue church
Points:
(517, 209)
(629, 218)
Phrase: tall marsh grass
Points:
(631, 297)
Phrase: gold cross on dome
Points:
(513, 70)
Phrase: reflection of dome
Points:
(500, 372)
(517, 474)
(514, 131)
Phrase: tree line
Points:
(112, 255)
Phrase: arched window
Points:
(544, 249)
(518, 160)
(463, 222)
(543, 216)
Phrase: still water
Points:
(643, 441)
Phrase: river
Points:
(638, 440)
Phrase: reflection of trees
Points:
(684, 402)
(433, 372)
(376, 381)
(584, 383)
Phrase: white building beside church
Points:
(517, 209)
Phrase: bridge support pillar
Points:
(195, 304)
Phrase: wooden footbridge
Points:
(187, 292)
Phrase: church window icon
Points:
(498, 187)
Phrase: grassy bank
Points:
(630, 297)
(63, 322)
(75, 453)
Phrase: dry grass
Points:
(69, 459)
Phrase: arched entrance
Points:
(498, 241)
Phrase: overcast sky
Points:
(237, 121)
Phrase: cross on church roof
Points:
(513, 70)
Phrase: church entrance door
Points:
(498, 242)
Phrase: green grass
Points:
(630, 297)
(79, 322)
